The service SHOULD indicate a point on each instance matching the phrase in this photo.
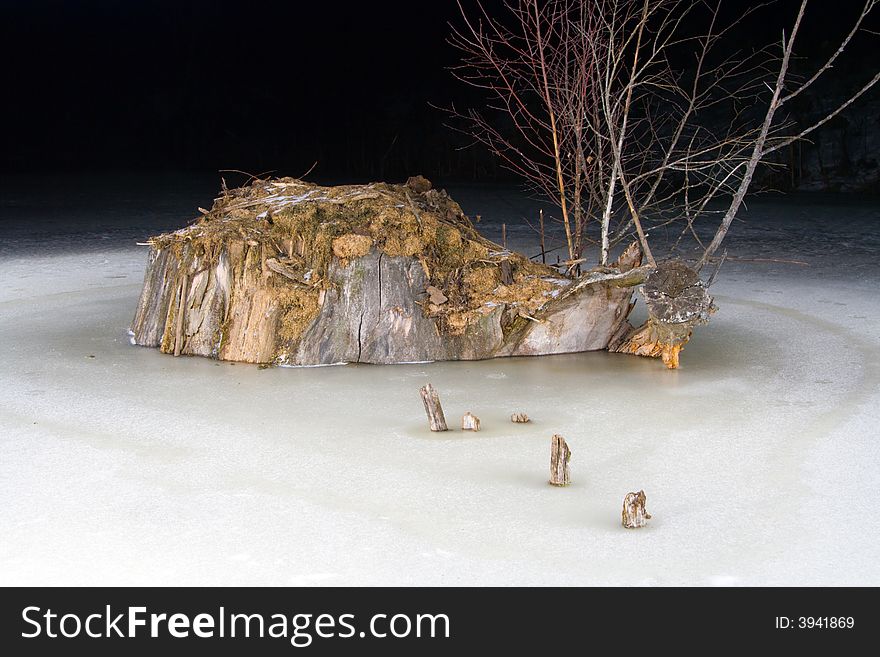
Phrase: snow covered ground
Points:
(760, 457)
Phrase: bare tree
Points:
(609, 98)
(763, 144)
(517, 59)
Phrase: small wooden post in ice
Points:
(634, 514)
(433, 408)
(470, 422)
(519, 418)
(559, 457)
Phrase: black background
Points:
(494, 621)
(272, 86)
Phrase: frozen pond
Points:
(125, 466)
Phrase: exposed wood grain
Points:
(470, 422)
(634, 514)
(181, 311)
(254, 297)
(433, 409)
(560, 455)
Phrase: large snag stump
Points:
(291, 273)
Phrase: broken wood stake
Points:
(504, 235)
(634, 514)
(433, 408)
(181, 308)
(519, 418)
(470, 422)
(559, 457)
(543, 251)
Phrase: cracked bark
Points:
(379, 271)
(359, 343)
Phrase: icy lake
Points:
(760, 458)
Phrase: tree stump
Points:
(470, 422)
(519, 418)
(432, 407)
(677, 301)
(559, 457)
(634, 514)
(286, 272)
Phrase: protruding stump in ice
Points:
(634, 514)
(677, 301)
(470, 422)
(559, 457)
(432, 407)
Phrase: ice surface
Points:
(125, 466)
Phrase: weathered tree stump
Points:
(519, 418)
(559, 457)
(634, 514)
(470, 422)
(433, 409)
(677, 301)
(290, 273)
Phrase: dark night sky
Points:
(220, 84)
(255, 85)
